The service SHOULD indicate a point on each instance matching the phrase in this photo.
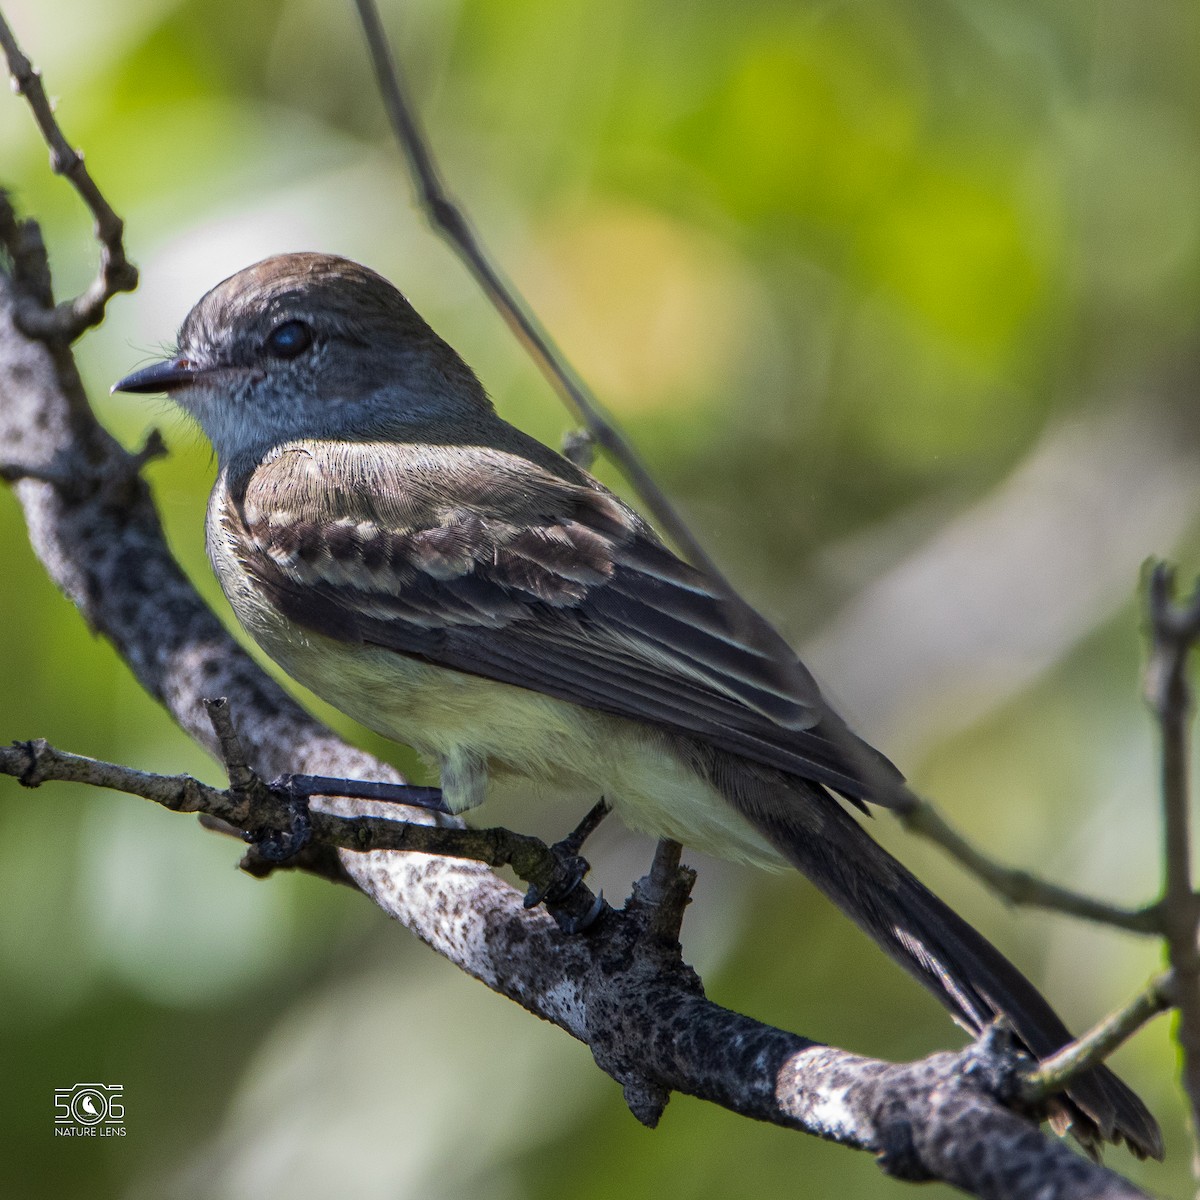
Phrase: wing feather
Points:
(546, 584)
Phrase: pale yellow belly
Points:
(561, 752)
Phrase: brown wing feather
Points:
(539, 582)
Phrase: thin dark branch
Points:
(1021, 887)
(1174, 629)
(448, 219)
(250, 805)
(117, 274)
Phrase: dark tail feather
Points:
(956, 963)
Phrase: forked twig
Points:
(253, 807)
(1174, 630)
(70, 318)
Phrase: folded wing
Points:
(491, 565)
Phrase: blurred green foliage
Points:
(839, 268)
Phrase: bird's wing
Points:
(481, 561)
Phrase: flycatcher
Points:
(452, 583)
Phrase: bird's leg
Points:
(464, 779)
(574, 840)
(570, 867)
(304, 787)
(464, 784)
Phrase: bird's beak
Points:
(164, 376)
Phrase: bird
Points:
(459, 587)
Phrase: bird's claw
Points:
(277, 845)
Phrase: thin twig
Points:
(666, 892)
(36, 762)
(1055, 1073)
(250, 805)
(448, 219)
(1174, 629)
(233, 753)
(117, 274)
(1020, 887)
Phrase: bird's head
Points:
(309, 345)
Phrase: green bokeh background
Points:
(898, 300)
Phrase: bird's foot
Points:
(276, 844)
(558, 892)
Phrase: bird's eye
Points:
(290, 339)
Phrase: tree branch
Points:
(449, 220)
(1018, 886)
(257, 809)
(1174, 629)
(1055, 1073)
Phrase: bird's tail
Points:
(930, 941)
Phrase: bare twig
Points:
(1174, 629)
(36, 762)
(1053, 1074)
(250, 805)
(153, 447)
(448, 219)
(1021, 887)
(666, 892)
(70, 318)
(242, 779)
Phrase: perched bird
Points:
(454, 584)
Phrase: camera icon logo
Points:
(87, 1106)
